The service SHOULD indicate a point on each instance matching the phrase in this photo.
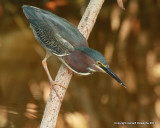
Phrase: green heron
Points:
(61, 38)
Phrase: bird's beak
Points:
(112, 74)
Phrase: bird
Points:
(61, 38)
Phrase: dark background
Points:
(130, 40)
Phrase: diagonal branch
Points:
(64, 75)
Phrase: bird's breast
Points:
(78, 62)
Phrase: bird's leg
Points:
(44, 63)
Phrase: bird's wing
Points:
(47, 34)
(66, 30)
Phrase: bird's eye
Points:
(99, 63)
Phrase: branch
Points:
(64, 75)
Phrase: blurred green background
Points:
(130, 40)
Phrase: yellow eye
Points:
(99, 63)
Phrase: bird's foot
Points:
(53, 83)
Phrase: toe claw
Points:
(52, 87)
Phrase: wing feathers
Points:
(46, 33)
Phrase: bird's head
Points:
(100, 63)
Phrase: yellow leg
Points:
(44, 63)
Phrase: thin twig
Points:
(64, 75)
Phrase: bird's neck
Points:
(86, 50)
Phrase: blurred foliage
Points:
(129, 39)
